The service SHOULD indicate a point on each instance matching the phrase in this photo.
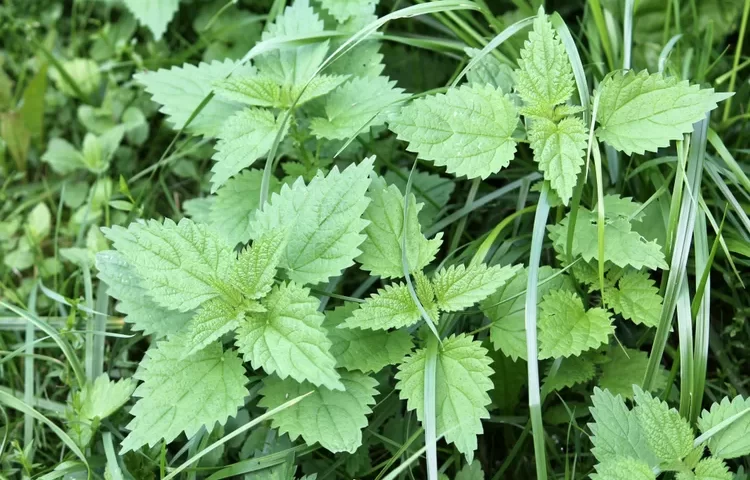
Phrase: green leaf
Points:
(636, 298)
(640, 112)
(490, 71)
(432, 191)
(616, 432)
(544, 76)
(182, 395)
(255, 268)
(471, 471)
(712, 469)
(572, 370)
(155, 15)
(506, 309)
(559, 149)
(244, 137)
(391, 307)
(364, 350)
(103, 397)
(668, 435)
(459, 287)
(213, 319)
(468, 129)
(324, 221)
(623, 468)
(180, 90)
(62, 156)
(333, 418)
(462, 382)
(343, 10)
(181, 265)
(289, 339)
(625, 368)
(264, 91)
(235, 205)
(734, 440)
(357, 105)
(381, 250)
(567, 329)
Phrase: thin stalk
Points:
(685, 333)
(28, 374)
(596, 10)
(703, 261)
(737, 56)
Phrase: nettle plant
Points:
(244, 285)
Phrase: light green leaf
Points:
(391, 307)
(256, 266)
(625, 368)
(668, 435)
(572, 370)
(459, 287)
(432, 191)
(559, 149)
(640, 112)
(333, 418)
(357, 105)
(490, 71)
(468, 129)
(381, 250)
(103, 397)
(199, 209)
(39, 221)
(734, 440)
(365, 350)
(636, 298)
(253, 90)
(213, 319)
(62, 156)
(544, 76)
(155, 15)
(182, 395)
(343, 10)
(712, 469)
(462, 382)
(244, 137)
(471, 471)
(324, 221)
(181, 265)
(567, 329)
(289, 339)
(623, 468)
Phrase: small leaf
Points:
(712, 469)
(623, 468)
(490, 71)
(155, 15)
(256, 266)
(668, 435)
(734, 440)
(625, 368)
(572, 370)
(103, 397)
(459, 287)
(391, 307)
(635, 298)
(343, 10)
(559, 149)
(213, 319)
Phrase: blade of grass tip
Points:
(736, 205)
(535, 406)
(737, 56)
(680, 252)
(484, 249)
(109, 451)
(734, 167)
(685, 335)
(269, 414)
(664, 55)
(28, 374)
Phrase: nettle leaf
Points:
(625, 368)
(544, 76)
(459, 287)
(572, 370)
(432, 191)
(213, 319)
(184, 394)
(155, 15)
(251, 89)
(245, 137)
(357, 105)
(343, 10)
(381, 250)
(103, 397)
(734, 440)
(640, 112)
(490, 71)
(462, 382)
(668, 435)
(636, 298)
(616, 431)
(506, 309)
(559, 149)
(365, 350)
(255, 268)
(391, 307)
(712, 469)
(288, 338)
(124, 284)
(235, 204)
(623, 468)
(181, 89)
(468, 129)
(567, 329)
(471, 471)
(333, 418)
(181, 265)
(324, 221)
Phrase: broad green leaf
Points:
(244, 137)
(572, 370)
(640, 112)
(39, 222)
(471, 471)
(490, 71)
(124, 284)
(506, 309)
(357, 105)
(432, 191)
(734, 440)
(567, 329)
(62, 156)
(213, 319)
(636, 298)
(712, 468)
(381, 250)
(103, 397)
(199, 209)
(391, 307)
(364, 350)
(623, 468)
(182, 395)
(333, 418)
(462, 382)
(181, 265)
(256, 266)
(625, 368)
(180, 90)
(84, 72)
(544, 76)
(559, 149)
(468, 129)
(343, 10)
(616, 431)
(236, 203)
(324, 221)
(289, 339)
(668, 435)
(264, 91)
(155, 15)
(459, 287)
